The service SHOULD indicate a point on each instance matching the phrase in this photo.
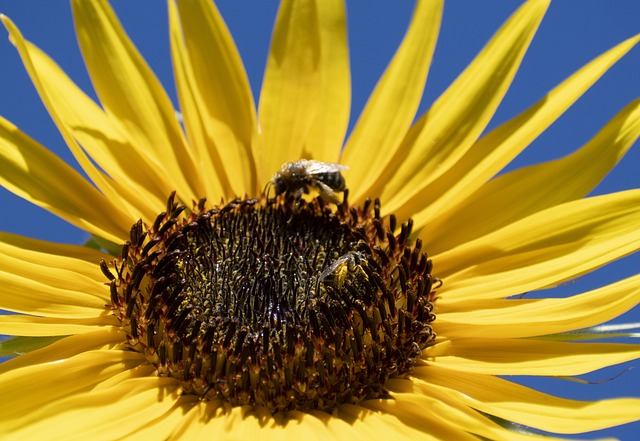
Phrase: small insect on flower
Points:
(298, 177)
(345, 265)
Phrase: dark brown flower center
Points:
(285, 304)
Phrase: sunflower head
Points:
(280, 303)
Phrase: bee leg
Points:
(298, 194)
(267, 190)
(327, 193)
(297, 198)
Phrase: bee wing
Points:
(333, 266)
(316, 167)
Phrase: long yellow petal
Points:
(82, 260)
(529, 318)
(442, 422)
(142, 187)
(441, 198)
(106, 338)
(44, 326)
(544, 185)
(76, 258)
(165, 421)
(50, 275)
(300, 81)
(37, 175)
(56, 92)
(291, 85)
(449, 129)
(326, 134)
(507, 356)
(26, 390)
(392, 106)
(36, 282)
(513, 402)
(23, 294)
(133, 97)
(81, 415)
(215, 97)
(347, 422)
(546, 248)
(414, 397)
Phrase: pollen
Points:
(282, 303)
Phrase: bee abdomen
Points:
(335, 180)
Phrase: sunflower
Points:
(256, 275)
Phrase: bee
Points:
(299, 177)
(339, 269)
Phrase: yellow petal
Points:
(215, 98)
(143, 186)
(326, 134)
(132, 405)
(44, 326)
(448, 130)
(545, 185)
(529, 318)
(522, 405)
(79, 259)
(144, 370)
(211, 419)
(77, 117)
(166, 419)
(508, 356)
(413, 396)
(368, 421)
(55, 277)
(23, 294)
(33, 280)
(100, 339)
(546, 248)
(298, 85)
(30, 388)
(440, 423)
(39, 176)
(133, 97)
(392, 106)
(492, 152)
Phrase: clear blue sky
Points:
(572, 33)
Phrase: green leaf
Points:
(100, 244)
(21, 345)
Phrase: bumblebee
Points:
(339, 269)
(299, 177)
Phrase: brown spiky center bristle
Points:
(283, 304)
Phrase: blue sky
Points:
(572, 33)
